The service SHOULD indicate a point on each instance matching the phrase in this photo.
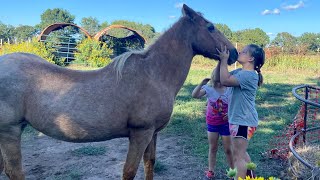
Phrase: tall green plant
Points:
(93, 53)
(294, 62)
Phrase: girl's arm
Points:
(226, 78)
(198, 92)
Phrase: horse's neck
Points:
(171, 57)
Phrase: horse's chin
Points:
(231, 61)
(233, 57)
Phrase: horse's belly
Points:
(77, 131)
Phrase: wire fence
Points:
(307, 151)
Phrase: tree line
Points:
(288, 43)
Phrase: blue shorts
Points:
(223, 129)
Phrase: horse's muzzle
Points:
(233, 56)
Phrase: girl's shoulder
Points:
(207, 87)
(235, 71)
(211, 92)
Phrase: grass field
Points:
(275, 104)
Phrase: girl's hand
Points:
(205, 81)
(223, 54)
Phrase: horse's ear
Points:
(186, 11)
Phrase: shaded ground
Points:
(48, 159)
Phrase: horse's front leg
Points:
(139, 139)
(149, 158)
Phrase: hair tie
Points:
(258, 70)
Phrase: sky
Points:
(272, 16)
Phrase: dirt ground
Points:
(45, 158)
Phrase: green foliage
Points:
(103, 25)
(252, 36)
(251, 166)
(29, 131)
(295, 62)
(72, 174)
(146, 30)
(90, 24)
(285, 40)
(33, 47)
(231, 172)
(6, 31)
(55, 15)
(23, 32)
(93, 53)
(311, 40)
(121, 45)
(159, 167)
(225, 30)
(89, 151)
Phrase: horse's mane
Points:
(120, 60)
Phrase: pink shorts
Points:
(245, 132)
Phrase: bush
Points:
(93, 53)
(33, 47)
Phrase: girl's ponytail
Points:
(259, 57)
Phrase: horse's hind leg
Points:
(10, 145)
(138, 142)
(149, 158)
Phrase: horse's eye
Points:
(211, 28)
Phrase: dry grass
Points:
(310, 154)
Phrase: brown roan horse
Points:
(132, 97)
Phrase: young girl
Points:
(216, 118)
(243, 116)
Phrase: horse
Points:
(131, 97)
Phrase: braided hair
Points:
(259, 57)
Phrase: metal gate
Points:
(65, 46)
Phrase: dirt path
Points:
(45, 158)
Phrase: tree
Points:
(310, 40)
(6, 31)
(225, 30)
(103, 25)
(55, 15)
(60, 37)
(145, 30)
(121, 39)
(90, 24)
(252, 36)
(285, 40)
(23, 32)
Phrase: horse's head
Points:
(207, 38)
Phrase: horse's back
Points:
(17, 63)
(19, 57)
